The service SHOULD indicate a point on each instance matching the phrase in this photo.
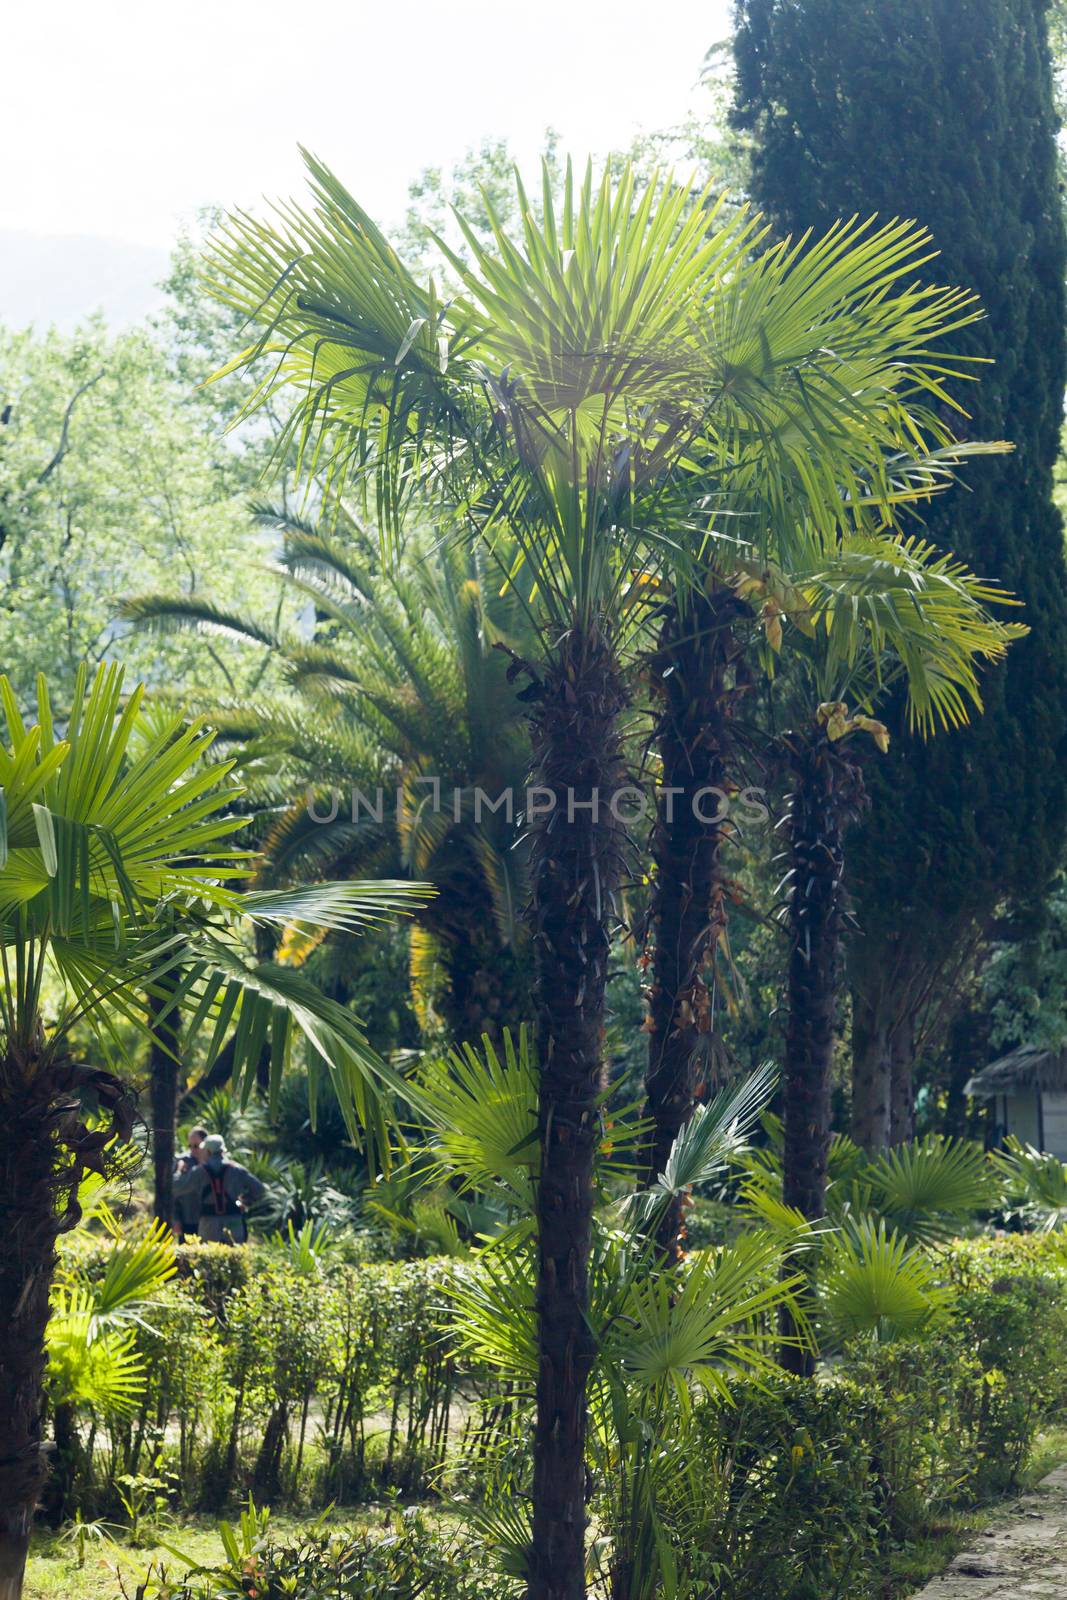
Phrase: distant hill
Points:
(62, 279)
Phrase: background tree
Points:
(401, 689)
(942, 110)
(111, 480)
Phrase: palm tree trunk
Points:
(45, 1150)
(690, 672)
(901, 1086)
(826, 787)
(163, 1080)
(29, 1226)
(576, 862)
(870, 1073)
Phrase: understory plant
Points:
(662, 1336)
(116, 893)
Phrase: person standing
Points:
(186, 1205)
(219, 1192)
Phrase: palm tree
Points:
(401, 687)
(878, 609)
(556, 401)
(114, 882)
(551, 399)
(838, 416)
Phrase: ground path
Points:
(1022, 1552)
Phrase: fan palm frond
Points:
(1037, 1179)
(927, 1188)
(482, 1107)
(871, 1281)
(898, 601)
(719, 1322)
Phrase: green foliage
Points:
(402, 687)
(406, 1559)
(777, 1495)
(810, 1489)
(925, 1189)
(341, 1382)
(928, 1188)
(244, 1345)
(1023, 983)
(115, 872)
(871, 1282)
(1037, 1184)
(111, 480)
(93, 1359)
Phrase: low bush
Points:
(786, 1500)
(308, 1380)
(806, 1489)
(408, 1558)
(302, 1380)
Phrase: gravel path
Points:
(1023, 1552)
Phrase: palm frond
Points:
(345, 907)
(872, 1282)
(1037, 1179)
(718, 1323)
(174, 613)
(881, 599)
(482, 1107)
(715, 1135)
(927, 1188)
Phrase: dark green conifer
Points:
(943, 111)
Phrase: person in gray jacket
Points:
(219, 1191)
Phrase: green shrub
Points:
(312, 1380)
(408, 1559)
(780, 1498)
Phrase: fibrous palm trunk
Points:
(45, 1150)
(576, 862)
(163, 1080)
(30, 1225)
(691, 673)
(826, 788)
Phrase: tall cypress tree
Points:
(942, 111)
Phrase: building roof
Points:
(1031, 1066)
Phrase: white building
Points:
(1028, 1088)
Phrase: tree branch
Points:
(64, 435)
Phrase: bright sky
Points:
(121, 117)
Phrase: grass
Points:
(114, 1570)
(1050, 1451)
(929, 1553)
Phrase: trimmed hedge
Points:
(335, 1385)
(810, 1486)
(299, 1387)
(408, 1559)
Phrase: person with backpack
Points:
(219, 1191)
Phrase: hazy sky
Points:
(121, 117)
